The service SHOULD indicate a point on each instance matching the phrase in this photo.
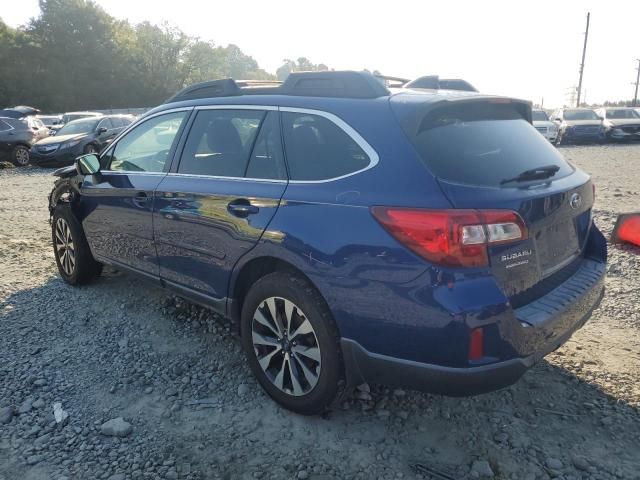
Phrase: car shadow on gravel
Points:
(176, 372)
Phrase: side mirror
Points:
(102, 130)
(88, 164)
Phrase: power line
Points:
(584, 52)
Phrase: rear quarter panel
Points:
(380, 294)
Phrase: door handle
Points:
(140, 200)
(242, 208)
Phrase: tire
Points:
(312, 392)
(20, 156)
(75, 262)
(91, 148)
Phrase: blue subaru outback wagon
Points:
(422, 238)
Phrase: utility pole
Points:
(584, 52)
(635, 95)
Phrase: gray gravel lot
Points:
(155, 388)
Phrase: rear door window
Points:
(267, 159)
(318, 149)
(220, 142)
(481, 144)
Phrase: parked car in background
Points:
(461, 250)
(87, 135)
(578, 125)
(20, 111)
(50, 121)
(620, 123)
(544, 125)
(71, 116)
(17, 135)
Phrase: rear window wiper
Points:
(538, 173)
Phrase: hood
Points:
(617, 122)
(60, 139)
(573, 123)
(543, 123)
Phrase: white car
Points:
(620, 123)
(545, 126)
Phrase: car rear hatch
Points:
(486, 155)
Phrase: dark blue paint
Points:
(382, 296)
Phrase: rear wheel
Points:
(20, 156)
(291, 343)
(73, 256)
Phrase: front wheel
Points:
(20, 156)
(291, 342)
(73, 256)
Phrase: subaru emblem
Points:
(575, 201)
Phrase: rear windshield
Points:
(482, 144)
(539, 116)
(580, 115)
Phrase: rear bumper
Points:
(616, 134)
(564, 309)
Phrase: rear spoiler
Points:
(413, 119)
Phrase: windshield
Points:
(79, 126)
(482, 145)
(70, 117)
(539, 116)
(580, 115)
(622, 114)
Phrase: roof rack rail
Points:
(341, 84)
(258, 83)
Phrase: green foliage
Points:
(303, 64)
(75, 56)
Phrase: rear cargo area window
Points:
(317, 149)
(481, 144)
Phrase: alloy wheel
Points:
(286, 346)
(22, 156)
(64, 247)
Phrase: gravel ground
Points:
(150, 386)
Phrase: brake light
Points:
(457, 238)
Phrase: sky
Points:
(527, 49)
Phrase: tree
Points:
(303, 64)
(75, 56)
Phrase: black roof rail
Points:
(347, 84)
(342, 84)
(225, 87)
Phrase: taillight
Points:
(457, 238)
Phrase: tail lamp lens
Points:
(456, 238)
